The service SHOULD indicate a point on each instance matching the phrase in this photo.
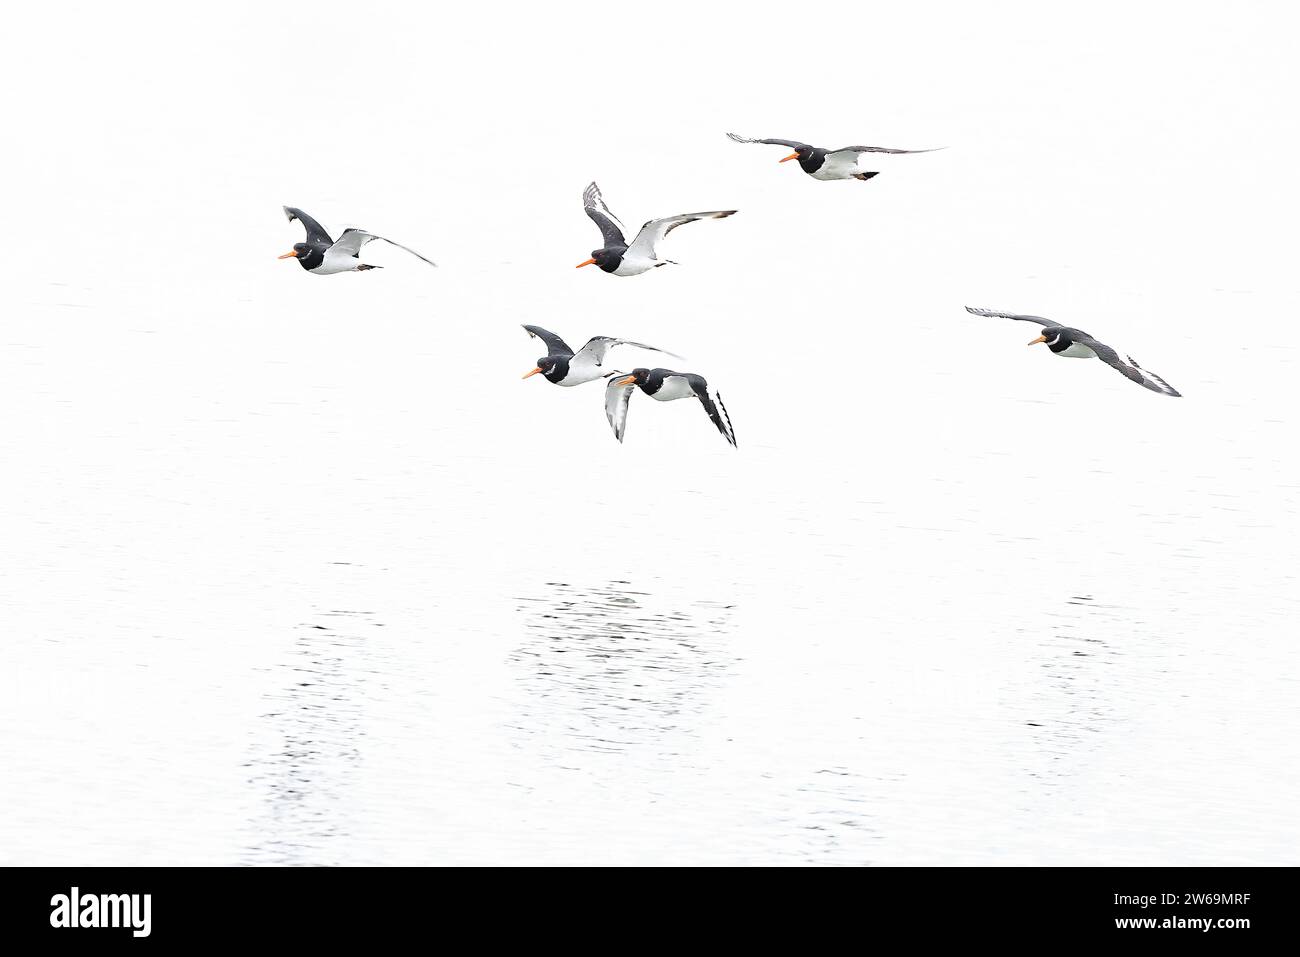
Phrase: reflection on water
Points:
(612, 669)
(834, 824)
(1076, 706)
(312, 738)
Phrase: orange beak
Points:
(534, 372)
(587, 263)
(1038, 340)
(625, 380)
(291, 254)
(792, 156)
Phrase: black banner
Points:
(1225, 908)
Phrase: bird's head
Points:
(1053, 335)
(801, 153)
(545, 365)
(636, 376)
(606, 258)
(299, 251)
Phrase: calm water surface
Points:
(295, 614)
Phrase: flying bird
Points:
(665, 386)
(1077, 344)
(563, 366)
(323, 256)
(829, 164)
(621, 259)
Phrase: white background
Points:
(296, 569)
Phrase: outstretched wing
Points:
(351, 241)
(555, 346)
(315, 231)
(880, 149)
(793, 144)
(607, 222)
(617, 398)
(712, 403)
(1008, 315)
(1126, 365)
(598, 347)
(657, 229)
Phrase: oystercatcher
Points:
(324, 256)
(621, 259)
(563, 366)
(829, 164)
(1077, 344)
(663, 385)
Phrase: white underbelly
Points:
(336, 262)
(839, 167)
(581, 372)
(674, 389)
(635, 265)
(1077, 351)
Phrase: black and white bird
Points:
(324, 256)
(829, 164)
(1077, 344)
(562, 366)
(665, 386)
(622, 259)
